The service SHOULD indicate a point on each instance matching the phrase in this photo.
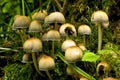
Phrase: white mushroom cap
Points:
(55, 17)
(66, 25)
(70, 71)
(109, 78)
(73, 54)
(20, 22)
(99, 17)
(35, 26)
(105, 24)
(46, 63)
(81, 46)
(84, 29)
(67, 43)
(32, 45)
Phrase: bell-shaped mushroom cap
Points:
(110, 78)
(69, 27)
(20, 22)
(73, 54)
(67, 43)
(55, 17)
(84, 29)
(102, 66)
(46, 63)
(35, 26)
(99, 17)
(53, 35)
(32, 45)
(40, 16)
(26, 58)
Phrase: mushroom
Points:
(33, 45)
(84, 30)
(46, 63)
(73, 54)
(26, 58)
(102, 68)
(81, 46)
(35, 26)
(20, 22)
(100, 18)
(67, 43)
(55, 18)
(67, 29)
(40, 16)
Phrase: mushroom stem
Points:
(41, 5)
(23, 7)
(48, 74)
(84, 40)
(53, 46)
(99, 37)
(35, 64)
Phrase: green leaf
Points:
(90, 57)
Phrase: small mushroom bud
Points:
(71, 72)
(73, 54)
(83, 78)
(26, 58)
(46, 63)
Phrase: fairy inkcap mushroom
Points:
(100, 18)
(81, 46)
(67, 43)
(71, 72)
(20, 22)
(40, 16)
(46, 62)
(67, 29)
(83, 78)
(55, 17)
(53, 35)
(73, 54)
(84, 30)
(102, 68)
(32, 45)
(35, 26)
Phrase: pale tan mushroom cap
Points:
(26, 58)
(20, 22)
(35, 26)
(40, 16)
(99, 17)
(32, 45)
(64, 26)
(46, 63)
(67, 43)
(55, 17)
(53, 35)
(73, 54)
(84, 29)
